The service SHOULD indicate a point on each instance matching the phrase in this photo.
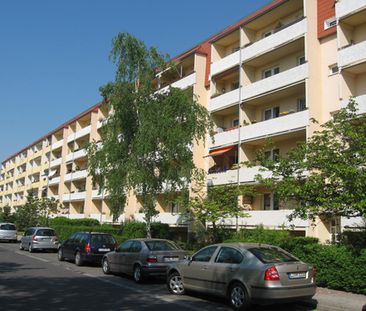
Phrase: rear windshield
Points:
(102, 239)
(161, 246)
(271, 255)
(45, 232)
(7, 227)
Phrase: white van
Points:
(8, 232)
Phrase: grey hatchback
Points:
(142, 257)
(39, 238)
(244, 273)
(8, 232)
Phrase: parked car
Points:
(8, 232)
(142, 258)
(245, 274)
(39, 238)
(85, 247)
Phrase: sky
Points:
(54, 54)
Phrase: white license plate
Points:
(104, 249)
(170, 259)
(298, 275)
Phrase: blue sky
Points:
(54, 54)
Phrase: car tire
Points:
(238, 297)
(30, 248)
(60, 255)
(137, 274)
(105, 266)
(175, 284)
(21, 246)
(78, 260)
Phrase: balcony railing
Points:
(165, 218)
(99, 196)
(182, 83)
(80, 133)
(57, 144)
(279, 81)
(76, 155)
(285, 35)
(76, 175)
(352, 55)
(76, 196)
(225, 63)
(345, 8)
(361, 103)
(76, 216)
(55, 162)
(225, 100)
(54, 181)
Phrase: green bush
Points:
(133, 230)
(161, 231)
(73, 222)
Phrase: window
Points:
(229, 255)
(205, 254)
(301, 60)
(270, 72)
(301, 104)
(235, 85)
(272, 154)
(333, 69)
(174, 208)
(271, 113)
(270, 202)
(266, 34)
(330, 22)
(136, 247)
(160, 245)
(235, 122)
(125, 246)
(271, 255)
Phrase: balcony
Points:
(346, 8)
(100, 217)
(246, 175)
(98, 196)
(277, 126)
(284, 36)
(76, 196)
(76, 155)
(269, 219)
(225, 63)
(54, 181)
(76, 216)
(164, 218)
(352, 223)
(224, 100)
(80, 133)
(183, 83)
(76, 175)
(361, 103)
(57, 144)
(55, 162)
(352, 55)
(279, 81)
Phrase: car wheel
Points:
(60, 255)
(175, 284)
(137, 274)
(238, 297)
(30, 248)
(21, 246)
(105, 266)
(78, 260)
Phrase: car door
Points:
(132, 256)
(119, 257)
(196, 274)
(26, 239)
(67, 246)
(224, 267)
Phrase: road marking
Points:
(31, 256)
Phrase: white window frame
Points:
(301, 101)
(272, 71)
(272, 110)
(333, 69)
(272, 198)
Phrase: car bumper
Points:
(93, 258)
(282, 294)
(45, 246)
(155, 270)
(8, 238)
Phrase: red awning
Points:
(220, 151)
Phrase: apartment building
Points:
(263, 77)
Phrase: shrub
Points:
(159, 230)
(73, 222)
(134, 229)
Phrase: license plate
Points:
(298, 275)
(104, 249)
(170, 259)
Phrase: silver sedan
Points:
(244, 273)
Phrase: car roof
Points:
(148, 240)
(91, 232)
(245, 245)
(6, 223)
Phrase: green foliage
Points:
(327, 174)
(6, 215)
(135, 229)
(147, 139)
(73, 222)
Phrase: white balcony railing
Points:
(76, 196)
(225, 63)
(269, 219)
(76, 155)
(80, 133)
(224, 100)
(277, 126)
(279, 81)
(246, 175)
(353, 222)
(165, 218)
(54, 181)
(99, 196)
(55, 162)
(275, 40)
(76, 175)
(361, 103)
(57, 144)
(345, 8)
(76, 216)
(182, 83)
(352, 55)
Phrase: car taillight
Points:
(271, 274)
(87, 248)
(152, 259)
(34, 238)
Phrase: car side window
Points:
(135, 247)
(229, 255)
(204, 254)
(29, 232)
(125, 246)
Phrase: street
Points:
(38, 281)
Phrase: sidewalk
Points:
(333, 300)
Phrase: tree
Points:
(6, 215)
(326, 175)
(36, 211)
(147, 140)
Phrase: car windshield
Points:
(271, 255)
(102, 238)
(161, 246)
(7, 227)
(45, 232)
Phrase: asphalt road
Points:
(38, 281)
